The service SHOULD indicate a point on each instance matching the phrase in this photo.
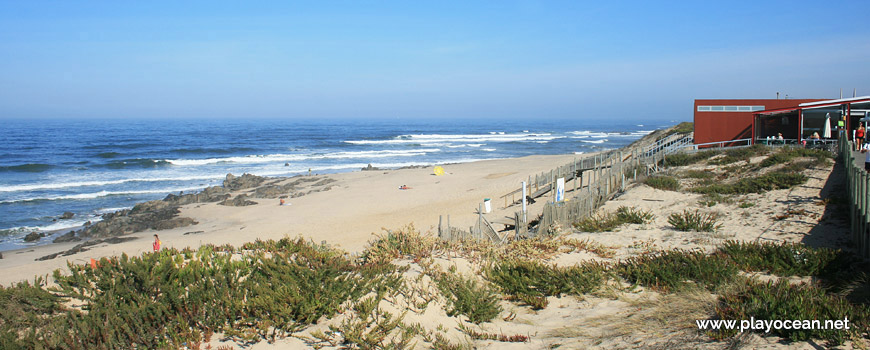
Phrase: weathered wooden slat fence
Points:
(858, 184)
(623, 167)
(595, 179)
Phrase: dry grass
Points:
(663, 318)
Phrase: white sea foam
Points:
(596, 141)
(59, 185)
(92, 195)
(272, 158)
(111, 210)
(488, 149)
(589, 133)
(429, 139)
(595, 134)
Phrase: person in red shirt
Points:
(156, 244)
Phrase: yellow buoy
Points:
(439, 171)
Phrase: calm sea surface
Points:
(90, 167)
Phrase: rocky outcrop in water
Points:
(163, 214)
(33, 236)
(157, 215)
(67, 215)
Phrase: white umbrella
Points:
(827, 133)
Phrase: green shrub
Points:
(26, 311)
(683, 159)
(745, 205)
(694, 221)
(711, 199)
(268, 289)
(395, 244)
(739, 154)
(698, 174)
(678, 269)
(681, 128)
(532, 281)
(786, 259)
(467, 297)
(663, 183)
(606, 222)
(787, 154)
(758, 184)
(632, 215)
(780, 300)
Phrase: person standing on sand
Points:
(156, 244)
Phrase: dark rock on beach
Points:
(240, 201)
(84, 246)
(208, 195)
(271, 191)
(370, 168)
(67, 215)
(67, 237)
(242, 182)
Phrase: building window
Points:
(730, 108)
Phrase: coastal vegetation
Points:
(606, 222)
(663, 182)
(694, 221)
(267, 290)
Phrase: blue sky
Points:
(414, 59)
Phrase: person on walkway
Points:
(859, 136)
(156, 244)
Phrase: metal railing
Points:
(858, 185)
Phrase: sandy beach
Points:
(358, 205)
(347, 211)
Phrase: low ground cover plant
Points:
(781, 300)
(739, 154)
(757, 184)
(785, 155)
(532, 281)
(698, 174)
(265, 290)
(663, 182)
(694, 221)
(786, 259)
(678, 269)
(468, 297)
(683, 159)
(606, 222)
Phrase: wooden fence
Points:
(858, 184)
(595, 179)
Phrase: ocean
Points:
(92, 167)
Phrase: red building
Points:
(723, 120)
